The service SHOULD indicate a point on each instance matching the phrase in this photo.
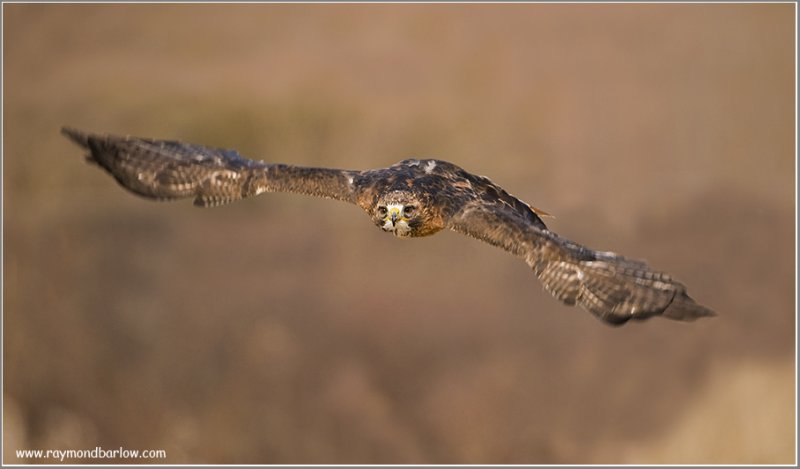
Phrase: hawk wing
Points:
(611, 287)
(168, 170)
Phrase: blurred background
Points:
(267, 332)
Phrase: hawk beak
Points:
(395, 213)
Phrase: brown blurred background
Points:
(272, 331)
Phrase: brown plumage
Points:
(412, 198)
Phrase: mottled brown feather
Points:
(168, 170)
(611, 287)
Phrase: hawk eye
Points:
(382, 211)
(408, 210)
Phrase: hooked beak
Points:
(394, 214)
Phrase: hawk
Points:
(410, 199)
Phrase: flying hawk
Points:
(409, 199)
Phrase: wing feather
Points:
(169, 170)
(611, 287)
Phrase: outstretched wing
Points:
(613, 288)
(168, 170)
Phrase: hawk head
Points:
(401, 213)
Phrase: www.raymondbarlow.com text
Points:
(96, 453)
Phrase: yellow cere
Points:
(395, 210)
